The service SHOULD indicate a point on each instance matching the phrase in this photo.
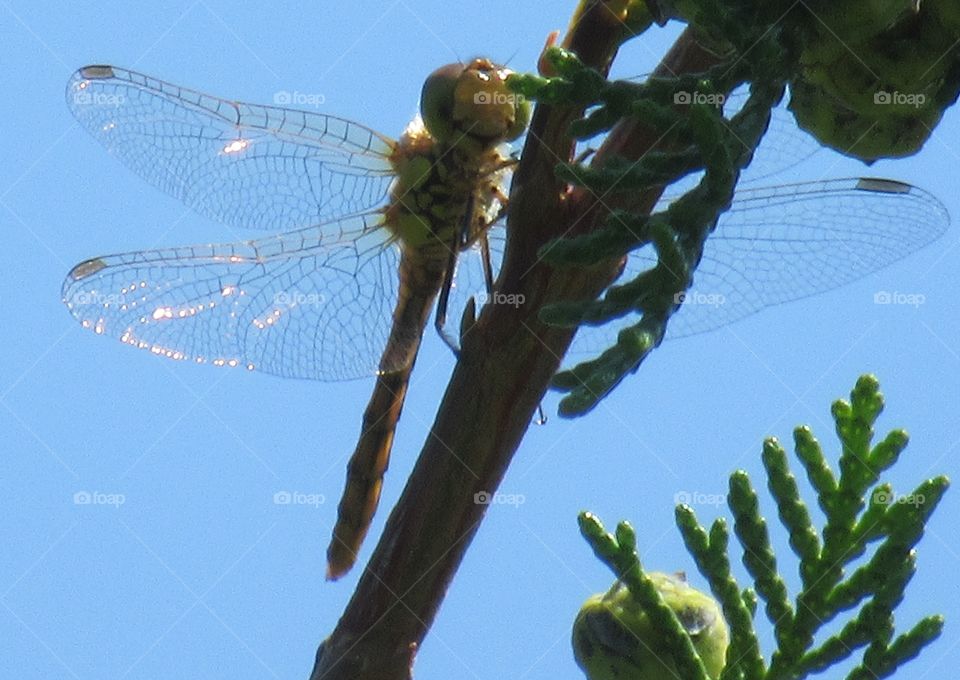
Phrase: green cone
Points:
(881, 97)
(867, 138)
(853, 21)
(613, 638)
(947, 13)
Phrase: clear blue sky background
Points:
(198, 574)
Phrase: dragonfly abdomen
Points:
(365, 472)
(420, 281)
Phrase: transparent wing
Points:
(784, 146)
(783, 243)
(250, 166)
(313, 303)
(470, 281)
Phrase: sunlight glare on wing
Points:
(236, 146)
(300, 304)
(268, 320)
(128, 338)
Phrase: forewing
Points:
(312, 303)
(250, 166)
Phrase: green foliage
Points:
(860, 511)
(698, 137)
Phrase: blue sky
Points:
(198, 573)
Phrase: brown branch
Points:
(506, 364)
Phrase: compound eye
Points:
(437, 100)
(473, 103)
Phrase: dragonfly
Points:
(372, 234)
(347, 288)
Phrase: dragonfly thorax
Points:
(444, 195)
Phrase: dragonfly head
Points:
(471, 104)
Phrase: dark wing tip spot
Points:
(87, 268)
(96, 72)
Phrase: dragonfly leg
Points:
(487, 264)
(460, 239)
(440, 320)
(584, 155)
(465, 237)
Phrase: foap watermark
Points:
(684, 98)
(496, 298)
(694, 297)
(313, 500)
(293, 298)
(885, 297)
(498, 498)
(99, 498)
(699, 498)
(887, 497)
(93, 297)
(297, 98)
(495, 97)
(87, 98)
(914, 99)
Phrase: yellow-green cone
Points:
(947, 13)
(613, 638)
(867, 138)
(853, 21)
(879, 97)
